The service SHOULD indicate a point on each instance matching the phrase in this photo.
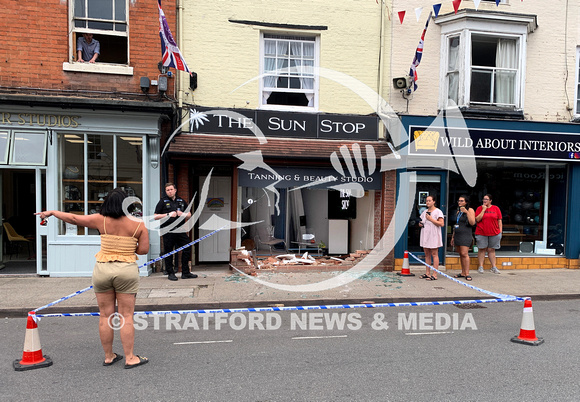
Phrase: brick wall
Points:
(384, 213)
(35, 44)
(452, 263)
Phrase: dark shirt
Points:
(167, 205)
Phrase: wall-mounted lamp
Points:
(162, 69)
(145, 83)
(193, 81)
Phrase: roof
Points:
(275, 148)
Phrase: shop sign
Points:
(437, 141)
(284, 124)
(38, 120)
(282, 177)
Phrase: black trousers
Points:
(173, 241)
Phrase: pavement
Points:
(219, 287)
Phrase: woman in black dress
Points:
(462, 234)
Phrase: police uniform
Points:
(173, 240)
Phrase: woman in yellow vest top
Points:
(116, 274)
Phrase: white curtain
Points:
(269, 63)
(297, 210)
(308, 69)
(505, 78)
(453, 70)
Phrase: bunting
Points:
(437, 8)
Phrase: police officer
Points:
(170, 208)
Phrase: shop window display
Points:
(92, 165)
(532, 199)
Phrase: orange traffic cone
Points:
(405, 271)
(32, 357)
(528, 330)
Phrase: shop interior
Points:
(319, 221)
(532, 198)
(18, 200)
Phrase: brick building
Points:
(71, 130)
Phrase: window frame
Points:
(9, 155)
(14, 147)
(464, 25)
(577, 100)
(315, 87)
(518, 98)
(4, 155)
(89, 148)
(99, 67)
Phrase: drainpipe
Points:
(381, 56)
(179, 44)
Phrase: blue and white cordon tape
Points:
(499, 298)
(487, 292)
(292, 308)
(140, 266)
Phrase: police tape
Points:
(140, 266)
(78, 292)
(177, 250)
(295, 308)
(487, 292)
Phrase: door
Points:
(20, 197)
(41, 232)
(218, 202)
(428, 183)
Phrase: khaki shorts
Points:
(122, 277)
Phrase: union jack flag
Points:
(170, 54)
(418, 56)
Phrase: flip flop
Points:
(459, 276)
(468, 278)
(115, 360)
(424, 276)
(142, 360)
(431, 278)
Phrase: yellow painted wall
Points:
(226, 55)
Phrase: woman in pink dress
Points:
(432, 221)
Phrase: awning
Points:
(200, 145)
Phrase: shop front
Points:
(291, 192)
(531, 172)
(320, 218)
(68, 158)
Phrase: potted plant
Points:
(323, 248)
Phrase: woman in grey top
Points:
(462, 234)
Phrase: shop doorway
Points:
(21, 195)
(428, 183)
(218, 202)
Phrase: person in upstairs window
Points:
(171, 208)
(88, 49)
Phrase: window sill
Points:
(289, 108)
(99, 68)
(493, 112)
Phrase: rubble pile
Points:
(247, 262)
